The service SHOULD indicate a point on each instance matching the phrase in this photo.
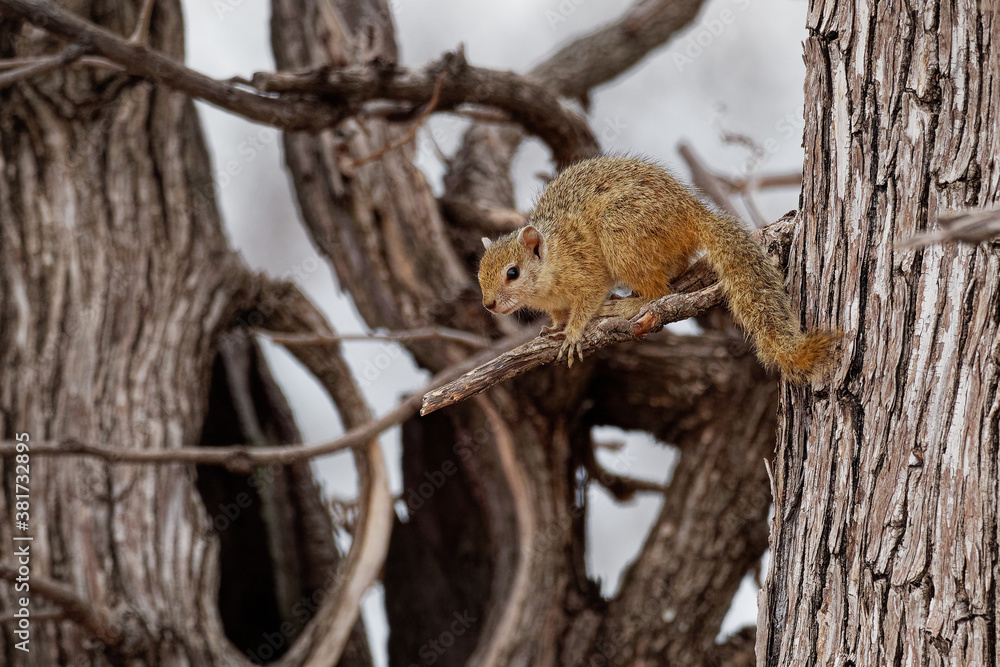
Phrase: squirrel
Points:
(612, 221)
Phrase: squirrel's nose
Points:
(490, 306)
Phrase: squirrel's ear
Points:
(532, 240)
(487, 243)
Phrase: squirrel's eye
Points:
(512, 273)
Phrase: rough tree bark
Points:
(119, 303)
(885, 535)
(118, 285)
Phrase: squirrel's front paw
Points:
(552, 330)
(571, 349)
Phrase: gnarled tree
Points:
(173, 517)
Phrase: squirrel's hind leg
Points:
(628, 307)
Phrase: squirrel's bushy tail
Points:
(758, 301)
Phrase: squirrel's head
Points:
(510, 269)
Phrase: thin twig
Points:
(969, 226)
(791, 179)
(756, 217)
(140, 35)
(711, 185)
(43, 615)
(412, 134)
(243, 458)
(42, 65)
(424, 333)
(97, 620)
(623, 488)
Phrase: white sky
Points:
(738, 69)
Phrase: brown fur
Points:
(614, 221)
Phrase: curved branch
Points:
(328, 632)
(287, 114)
(503, 634)
(530, 104)
(572, 71)
(95, 619)
(603, 55)
(319, 99)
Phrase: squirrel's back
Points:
(630, 209)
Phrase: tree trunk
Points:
(884, 536)
(117, 285)
(119, 300)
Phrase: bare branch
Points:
(289, 101)
(37, 66)
(295, 114)
(530, 104)
(140, 35)
(503, 633)
(412, 134)
(424, 333)
(790, 180)
(53, 615)
(612, 49)
(329, 631)
(480, 170)
(543, 350)
(622, 487)
(490, 218)
(714, 187)
(93, 618)
(243, 458)
(971, 226)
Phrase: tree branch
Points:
(971, 226)
(287, 114)
(423, 333)
(703, 179)
(480, 171)
(531, 105)
(319, 99)
(39, 66)
(602, 55)
(502, 631)
(544, 349)
(93, 618)
(244, 458)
